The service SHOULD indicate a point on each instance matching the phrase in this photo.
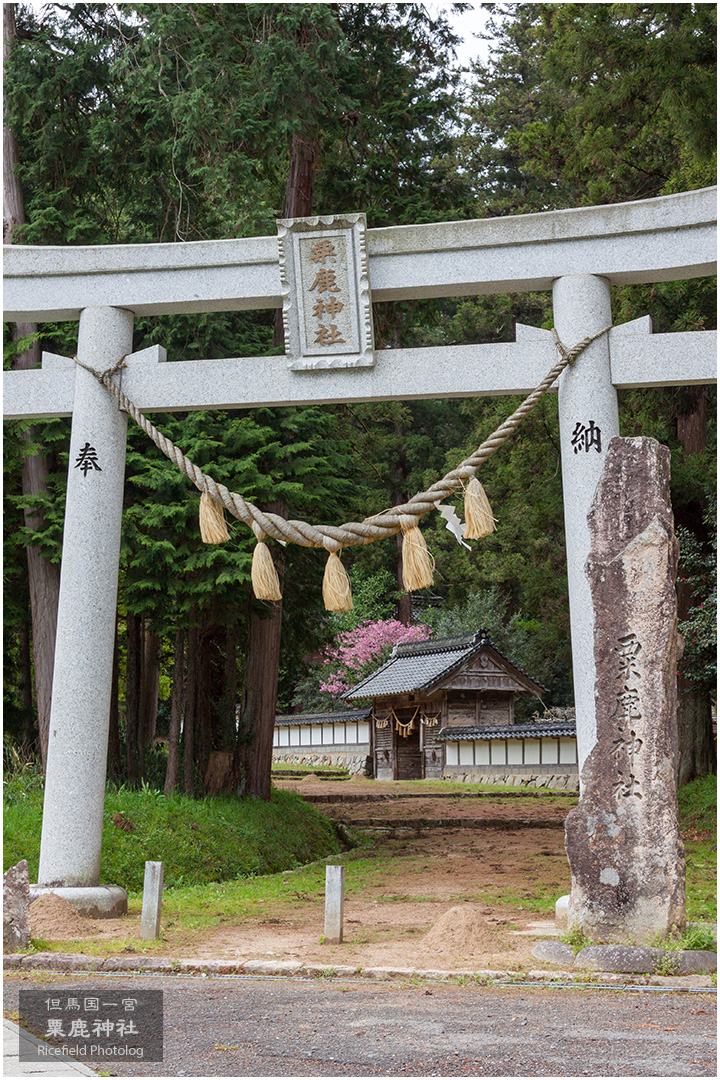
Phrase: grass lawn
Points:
(200, 841)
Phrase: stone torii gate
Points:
(579, 254)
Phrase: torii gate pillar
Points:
(588, 414)
(79, 717)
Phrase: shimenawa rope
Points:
(333, 538)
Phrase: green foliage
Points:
(374, 597)
(22, 773)
(692, 937)
(698, 568)
(594, 103)
(215, 839)
(575, 939)
(698, 805)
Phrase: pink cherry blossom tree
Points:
(358, 652)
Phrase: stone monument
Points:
(16, 903)
(623, 839)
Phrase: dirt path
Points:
(484, 878)
(474, 895)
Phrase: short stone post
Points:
(623, 839)
(334, 904)
(79, 717)
(152, 901)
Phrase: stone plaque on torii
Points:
(577, 253)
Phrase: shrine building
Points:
(440, 708)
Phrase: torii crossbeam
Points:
(579, 254)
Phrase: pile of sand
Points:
(52, 918)
(463, 930)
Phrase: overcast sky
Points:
(466, 26)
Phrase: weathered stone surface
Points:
(334, 904)
(695, 961)
(51, 961)
(562, 907)
(623, 839)
(152, 901)
(354, 763)
(633, 959)
(137, 963)
(330, 328)
(689, 982)
(74, 799)
(272, 967)
(554, 952)
(16, 901)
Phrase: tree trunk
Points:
(230, 682)
(114, 764)
(176, 708)
(25, 684)
(149, 689)
(692, 419)
(298, 197)
(404, 604)
(218, 758)
(697, 755)
(203, 701)
(190, 706)
(696, 744)
(133, 679)
(259, 698)
(44, 578)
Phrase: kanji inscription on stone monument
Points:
(327, 314)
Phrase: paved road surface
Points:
(288, 1027)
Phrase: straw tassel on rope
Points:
(417, 562)
(264, 576)
(213, 527)
(336, 584)
(479, 520)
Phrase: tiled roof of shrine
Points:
(539, 730)
(322, 718)
(421, 665)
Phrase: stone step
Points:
(387, 796)
(418, 824)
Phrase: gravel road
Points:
(288, 1027)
